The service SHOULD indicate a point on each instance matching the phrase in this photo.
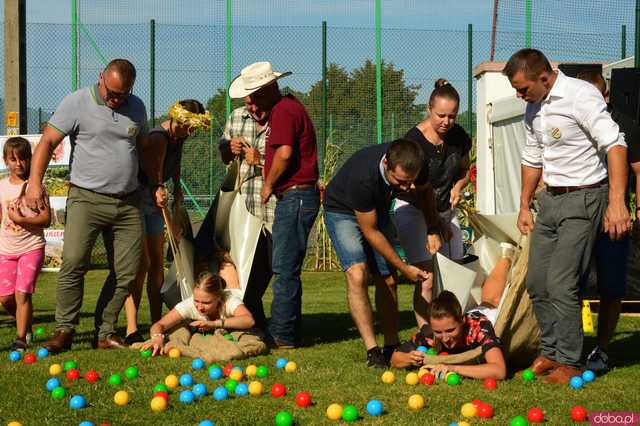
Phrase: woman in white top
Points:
(212, 306)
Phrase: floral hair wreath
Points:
(191, 119)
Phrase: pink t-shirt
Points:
(14, 239)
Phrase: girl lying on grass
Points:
(453, 331)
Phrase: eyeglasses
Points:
(110, 94)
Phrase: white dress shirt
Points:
(569, 134)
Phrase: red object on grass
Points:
(30, 358)
(73, 374)
(227, 369)
(477, 403)
(303, 399)
(162, 394)
(91, 376)
(490, 383)
(579, 413)
(427, 379)
(278, 390)
(535, 415)
(485, 411)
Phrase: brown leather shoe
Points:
(542, 364)
(561, 375)
(60, 342)
(111, 342)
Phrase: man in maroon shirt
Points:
(291, 175)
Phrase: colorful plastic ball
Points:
(535, 415)
(121, 397)
(236, 375)
(262, 371)
(187, 397)
(206, 423)
(91, 376)
(578, 414)
(68, 365)
(485, 411)
(227, 369)
(199, 390)
(528, 375)
(15, 356)
(576, 382)
(158, 404)
(412, 379)
(42, 353)
(171, 381)
(115, 379)
(463, 423)
(334, 412)
(422, 349)
(242, 389)
(14, 423)
(146, 353)
(519, 421)
(490, 384)
(256, 388)
(416, 402)
(58, 393)
(55, 369)
(303, 399)
(588, 376)
(388, 377)
(230, 385)
(468, 410)
(477, 403)
(86, 423)
(220, 394)
(278, 390)
(73, 374)
(291, 367)
(284, 418)
(161, 394)
(453, 379)
(214, 366)
(186, 380)
(174, 353)
(160, 387)
(350, 413)
(428, 379)
(30, 358)
(131, 373)
(374, 407)
(197, 364)
(215, 373)
(229, 337)
(251, 370)
(77, 402)
(281, 362)
(432, 351)
(52, 384)
(39, 332)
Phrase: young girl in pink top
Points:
(21, 240)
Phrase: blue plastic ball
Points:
(374, 407)
(199, 390)
(220, 394)
(588, 376)
(453, 424)
(42, 353)
(186, 380)
(281, 362)
(86, 423)
(237, 367)
(15, 356)
(576, 382)
(206, 423)
(422, 349)
(197, 364)
(53, 383)
(187, 397)
(215, 373)
(77, 402)
(242, 389)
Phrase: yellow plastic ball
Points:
(14, 423)
(158, 404)
(412, 379)
(256, 388)
(416, 402)
(55, 369)
(463, 423)
(290, 367)
(171, 381)
(422, 372)
(388, 377)
(334, 412)
(174, 353)
(236, 375)
(468, 410)
(251, 370)
(121, 397)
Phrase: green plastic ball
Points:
(519, 421)
(68, 365)
(160, 387)
(432, 351)
(115, 379)
(229, 337)
(284, 418)
(58, 393)
(453, 379)
(131, 373)
(350, 413)
(528, 375)
(147, 353)
(212, 366)
(230, 385)
(262, 371)
(39, 332)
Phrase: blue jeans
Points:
(295, 214)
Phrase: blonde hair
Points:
(212, 284)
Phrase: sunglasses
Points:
(111, 94)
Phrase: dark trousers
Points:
(259, 279)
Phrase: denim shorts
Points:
(152, 222)
(611, 266)
(350, 244)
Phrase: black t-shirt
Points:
(172, 157)
(359, 185)
(442, 165)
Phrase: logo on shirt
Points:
(131, 131)
(555, 132)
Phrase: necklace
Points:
(439, 147)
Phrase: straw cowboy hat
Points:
(252, 78)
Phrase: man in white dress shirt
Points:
(578, 149)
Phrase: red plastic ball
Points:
(162, 394)
(303, 399)
(477, 403)
(443, 353)
(485, 411)
(73, 374)
(91, 376)
(535, 415)
(578, 414)
(104, 424)
(427, 379)
(227, 369)
(278, 390)
(30, 358)
(490, 383)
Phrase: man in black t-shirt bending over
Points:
(356, 213)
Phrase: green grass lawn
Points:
(331, 367)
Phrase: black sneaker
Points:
(19, 345)
(376, 359)
(134, 337)
(388, 350)
(598, 361)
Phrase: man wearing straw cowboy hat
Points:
(290, 175)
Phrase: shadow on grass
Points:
(625, 351)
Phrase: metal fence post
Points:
(152, 71)
(325, 94)
(470, 79)
(378, 7)
(74, 46)
(623, 42)
(527, 25)
(228, 47)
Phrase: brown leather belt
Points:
(558, 190)
(291, 188)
